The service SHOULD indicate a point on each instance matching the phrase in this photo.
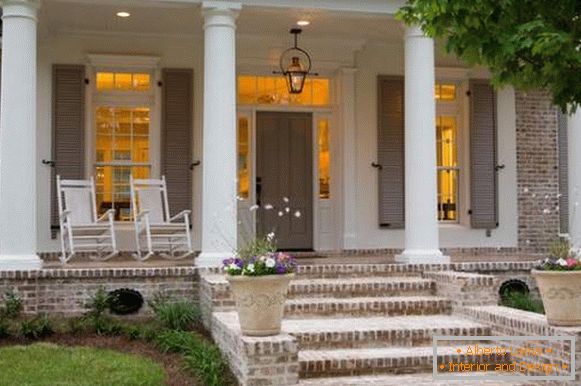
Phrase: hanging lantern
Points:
(299, 67)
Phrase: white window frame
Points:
(120, 98)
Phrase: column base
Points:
(422, 256)
(20, 262)
(212, 259)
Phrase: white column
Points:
(421, 224)
(18, 136)
(219, 214)
(574, 162)
(349, 152)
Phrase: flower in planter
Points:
(561, 258)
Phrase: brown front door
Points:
(284, 164)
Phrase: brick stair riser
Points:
(374, 339)
(333, 271)
(400, 365)
(369, 308)
(338, 290)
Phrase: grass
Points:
(523, 301)
(49, 364)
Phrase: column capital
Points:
(220, 13)
(415, 31)
(19, 8)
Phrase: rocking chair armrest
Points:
(140, 215)
(183, 213)
(64, 216)
(109, 215)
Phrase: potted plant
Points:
(559, 280)
(259, 277)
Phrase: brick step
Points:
(404, 331)
(366, 286)
(371, 361)
(366, 306)
(400, 380)
(330, 271)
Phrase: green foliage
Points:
(560, 249)
(523, 302)
(532, 44)
(5, 330)
(201, 357)
(259, 246)
(175, 315)
(50, 364)
(98, 304)
(12, 306)
(39, 327)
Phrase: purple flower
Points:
(280, 268)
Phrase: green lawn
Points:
(49, 364)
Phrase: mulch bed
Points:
(175, 374)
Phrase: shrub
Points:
(12, 306)
(36, 328)
(522, 301)
(176, 315)
(4, 329)
(97, 304)
(201, 357)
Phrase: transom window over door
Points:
(122, 138)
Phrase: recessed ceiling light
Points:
(123, 14)
(303, 23)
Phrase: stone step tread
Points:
(367, 299)
(366, 280)
(398, 380)
(340, 354)
(364, 324)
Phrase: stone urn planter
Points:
(260, 302)
(561, 294)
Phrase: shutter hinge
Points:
(470, 211)
(159, 83)
(468, 93)
(87, 81)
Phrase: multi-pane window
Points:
(122, 150)
(122, 122)
(447, 152)
(243, 157)
(324, 159)
(273, 90)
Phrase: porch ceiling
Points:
(183, 19)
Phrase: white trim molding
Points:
(124, 61)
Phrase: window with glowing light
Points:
(324, 159)
(273, 90)
(447, 152)
(123, 81)
(243, 157)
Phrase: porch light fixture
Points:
(296, 70)
(123, 14)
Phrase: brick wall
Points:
(537, 170)
(64, 291)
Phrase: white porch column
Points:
(421, 224)
(18, 136)
(219, 214)
(574, 174)
(348, 142)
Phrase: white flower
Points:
(526, 190)
(546, 197)
(253, 208)
(285, 199)
(280, 214)
(270, 263)
(268, 207)
(287, 209)
(233, 267)
(270, 236)
(546, 211)
(262, 258)
(534, 195)
(562, 262)
(250, 268)
(297, 214)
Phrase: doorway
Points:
(284, 167)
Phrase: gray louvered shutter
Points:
(483, 155)
(563, 176)
(176, 136)
(390, 151)
(68, 129)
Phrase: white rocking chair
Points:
(154, 228)
(81, 229)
